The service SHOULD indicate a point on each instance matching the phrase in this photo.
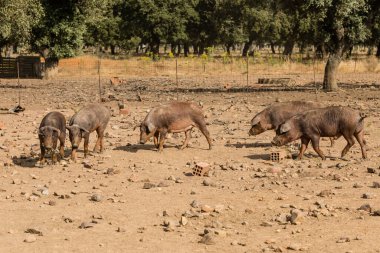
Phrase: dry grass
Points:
(143, 66)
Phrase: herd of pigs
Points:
(308, 121)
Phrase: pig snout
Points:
(276, 141)
(75, 145)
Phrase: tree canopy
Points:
(58, 29)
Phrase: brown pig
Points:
(173, 118)
(88, 119)
(51, 129)
(271, 117)
(325, 122)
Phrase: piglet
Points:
(173, 118)
(90, 118)
(326, 122)
(51, 129)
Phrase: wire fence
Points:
(88, 78)
(220, 72)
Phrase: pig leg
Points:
(86, 141)
(155, 139)
(42, 158)
(350, 142)
(162, 139)
(53, 152)
(74, 154)
(99, 142)
(62, 145)
(202, 127)
(187, 138)
(360, 138)
(315, 143)
(304, 143)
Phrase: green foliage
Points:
(17, 18)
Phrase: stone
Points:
(376, 213)
(221, 233)
(371, 170)
(121, 229)
(124, 111)
(33, 231)
(30, 239)
(294, 246)
(207, 209)
(207, 239)
(367, 196)
(219, 208)
(325, 193)
(365, 207)
(195, 204)
(148, 185)
(376, 185)
(207, 182)
(296, 216)
(85, 225)
(96, 197)
(184, 221)
(343, 240)
(16, 181)
(266, 224)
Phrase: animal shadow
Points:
(259, 156)
(133, 148)
(249, 145)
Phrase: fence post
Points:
(247, 71)
(100, 86)
(176, 75)
(18, 82)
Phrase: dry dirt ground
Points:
(247, 204)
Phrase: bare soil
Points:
(253, 197)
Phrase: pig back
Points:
(91, 117)
(279, 113)
(54, 119)
(166, 115)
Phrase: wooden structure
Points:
(29, 67)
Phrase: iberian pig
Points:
(90, 118)
(325, 122)
(173, 118)
(51, 129)
(271, 117)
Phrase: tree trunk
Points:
(378, 51)
(288, 48)
(179, 48)
(113, 51)
(331, 69)
(228, 49)
(195, 49)
(51, 67)
(173, 48)
(201, 49)
(246, 47)
(272, 48)
(186, 49)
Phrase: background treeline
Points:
(63, 28)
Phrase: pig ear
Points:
(285, 128)
(57, 130)
(40, 130)
(84, 130)
(255, 120)
(151, 127)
